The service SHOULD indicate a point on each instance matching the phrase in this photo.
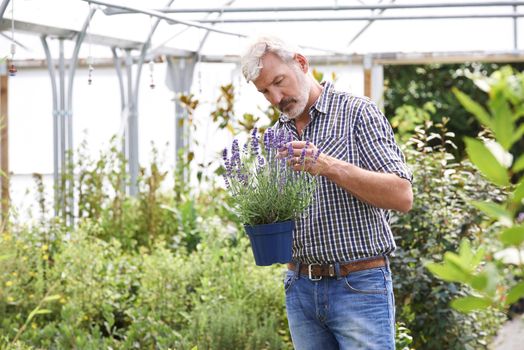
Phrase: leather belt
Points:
(317, 271)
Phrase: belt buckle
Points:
(310, 275)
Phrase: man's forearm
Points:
(387, 191)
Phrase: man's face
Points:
(283, 85)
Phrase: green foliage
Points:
(153, 215)
(224, 114)
(319, 76)
(231, 325)
(437, 223)
(407, 118)
(482, 157)
(403, 339)
(419, 85)
(494, 284)
(104, 296)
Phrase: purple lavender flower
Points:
(227, 164)
(254, 143)
(243, 179)
(268, 138)
(224, 155)
(236, 163)
(226, 180)
(261, 161)
(280, 139)
(520, 217)
(235, 154)
(303, 153)
(290, 152)
(319, 150)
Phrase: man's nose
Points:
(274, 97)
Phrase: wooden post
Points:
(368, 65)
(367, 82)
(4, 144)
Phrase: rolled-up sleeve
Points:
(377, 147)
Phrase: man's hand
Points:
(303, 156)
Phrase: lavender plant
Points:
(264, 186)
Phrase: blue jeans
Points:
(352, 312)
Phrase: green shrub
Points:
(233, 325)
(495, 279)
(437, 223)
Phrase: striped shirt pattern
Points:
(339, 227)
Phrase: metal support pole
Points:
(56, 147)
(123, 111)
(4, 144)
(132, 120)
(330, 8)
(361, 31)
(515, 31)
(179, 80)
(68, 115)
(160, 15)
(3, 7)
(63, 171)
(180, 114)
(131, 136)
(118, 69)
(62, 126)
(143, 52)
(261, 19)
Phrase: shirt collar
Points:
(321, 105)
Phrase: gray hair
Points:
(251, 59)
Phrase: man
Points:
(338, 287)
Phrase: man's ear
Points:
(302, 62)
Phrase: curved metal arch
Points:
(74, 58)
(204, 38)
(143, 52)
(3, 7)
(52, 75)
(164, 17)
(118, 69)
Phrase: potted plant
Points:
(268, 194)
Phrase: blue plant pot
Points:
(271, 243)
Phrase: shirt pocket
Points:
(335, 146)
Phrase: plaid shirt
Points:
(338, 226)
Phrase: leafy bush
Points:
(440, 218)
(419, 85)
(106, 296)
(495, 283)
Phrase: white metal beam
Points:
(111, 11)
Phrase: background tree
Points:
(419, 85)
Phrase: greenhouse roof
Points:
(213, 29)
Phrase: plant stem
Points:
(32, 314)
